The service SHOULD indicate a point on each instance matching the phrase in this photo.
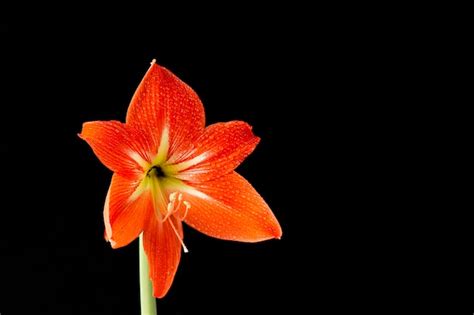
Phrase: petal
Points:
(121, 148)
(165, 107)
(229, 208)
(126, 211)
(163, 250)
(220, 149)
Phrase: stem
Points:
(147, 300)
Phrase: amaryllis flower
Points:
(169, 168)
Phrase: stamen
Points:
(179, 238)
(173, 195)
(188, 206)
(174, 205)
(169, 212)
(180, 197)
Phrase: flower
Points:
(168, 168)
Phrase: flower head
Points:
(169, 168)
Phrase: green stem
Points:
(147, 300)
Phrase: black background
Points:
(301, 77)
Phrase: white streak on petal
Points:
(162, 154)
(187, 164)
(194, 192)
(108, 226)
(138, 159)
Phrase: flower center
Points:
(156, 171)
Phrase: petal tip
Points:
(160, 292)
(277, 232)
(113, 243)
(257, 140)
(84, 131)
(278, 237)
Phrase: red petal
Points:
(163, 100)
(163, 250)
(121, 148)
(125, 217)
(229, 208)
(221, 148)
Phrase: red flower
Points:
(169, 168)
